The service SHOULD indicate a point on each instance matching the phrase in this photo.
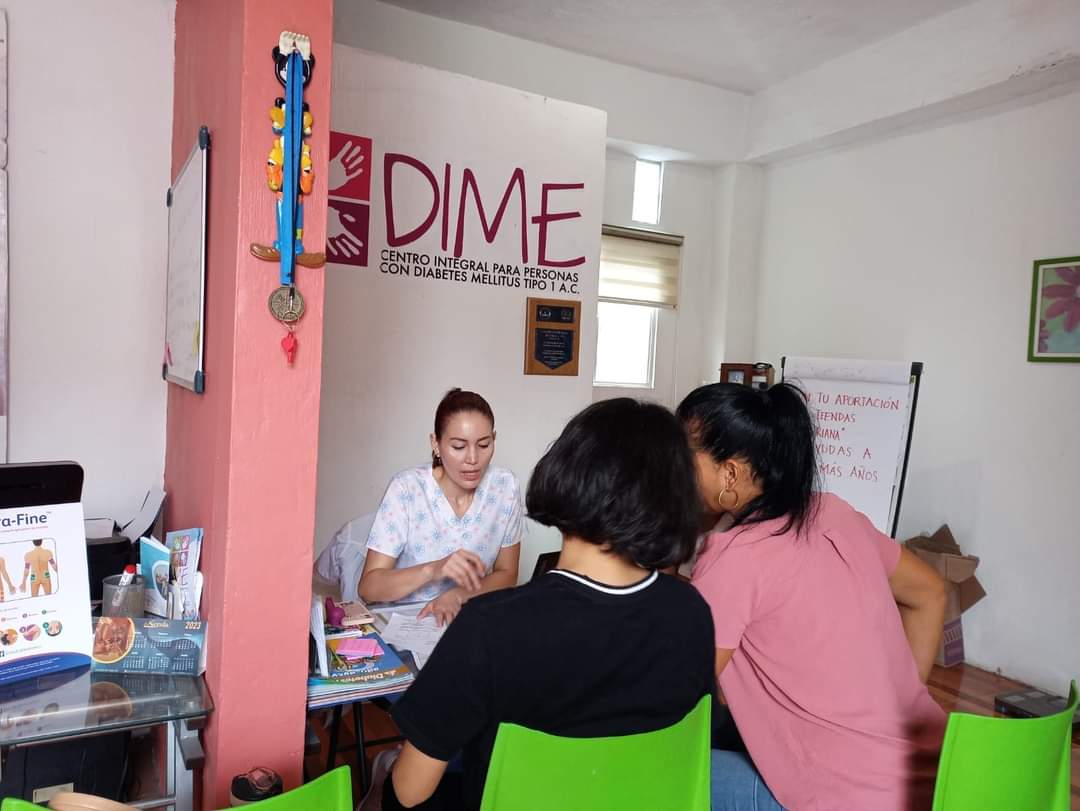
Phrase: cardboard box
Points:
(941, 551)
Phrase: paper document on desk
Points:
(417, 635)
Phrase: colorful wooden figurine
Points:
(292, 49)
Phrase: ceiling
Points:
(743, 45)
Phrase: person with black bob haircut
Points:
(601, 645)
(825, 628)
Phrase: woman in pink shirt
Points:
(826, 629)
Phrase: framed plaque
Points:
(552, 336)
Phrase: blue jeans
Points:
(737, 786)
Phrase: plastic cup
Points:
(122, 601)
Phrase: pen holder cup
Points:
(122, 601)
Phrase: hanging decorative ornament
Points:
(289, 175)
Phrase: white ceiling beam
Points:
(984, 54)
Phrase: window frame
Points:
(648, 235)
(654, 323)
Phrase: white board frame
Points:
(185, 315)
(901, 469)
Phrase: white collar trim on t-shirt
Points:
(644, 584)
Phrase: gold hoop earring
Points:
(720, 500)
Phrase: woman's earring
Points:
(720, 500)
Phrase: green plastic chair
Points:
(15, 804)
(668, 768)
(331, 792)
(1006, 764)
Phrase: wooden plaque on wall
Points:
(552, 336)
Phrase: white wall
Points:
(921, 248)
(677, 117)
(394, 345)
(90, 113)
(649, 115)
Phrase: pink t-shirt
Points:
(822, 683)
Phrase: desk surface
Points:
(77, 702)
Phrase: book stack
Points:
(352, 662)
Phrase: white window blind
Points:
(639, 266)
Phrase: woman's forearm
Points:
(498, 579)
(388, 585)
(923, 627)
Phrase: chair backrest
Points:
(342, 561)
(668, 768)
(1006, 763)
(545, 562)
(331, 792)
(15, 804)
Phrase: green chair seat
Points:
(1006, 764)
(668, 768)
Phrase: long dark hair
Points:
(454, 402)
(770, 429)
(621, 476)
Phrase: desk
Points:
(380, 699)
(383, 699)
(77, 704)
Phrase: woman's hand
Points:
(444, 607)
(463, 567)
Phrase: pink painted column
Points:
(241, 458)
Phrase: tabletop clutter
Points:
(350, 659)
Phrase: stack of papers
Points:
(419, 636)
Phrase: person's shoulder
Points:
(834, 513)
(487, 613)
(679, 592)
(502, 478)
(410, 477)
(496, 604)
(684, 607)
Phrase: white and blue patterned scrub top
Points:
(416, 524)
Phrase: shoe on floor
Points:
(380, 770)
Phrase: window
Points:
(648, 182)
(625, 344)
(639, 280)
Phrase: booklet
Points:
(184, 547)
(154, 567)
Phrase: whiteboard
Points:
(185, 292)
(863, 413)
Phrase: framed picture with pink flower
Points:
(1054, 334)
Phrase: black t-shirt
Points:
(564, 655)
